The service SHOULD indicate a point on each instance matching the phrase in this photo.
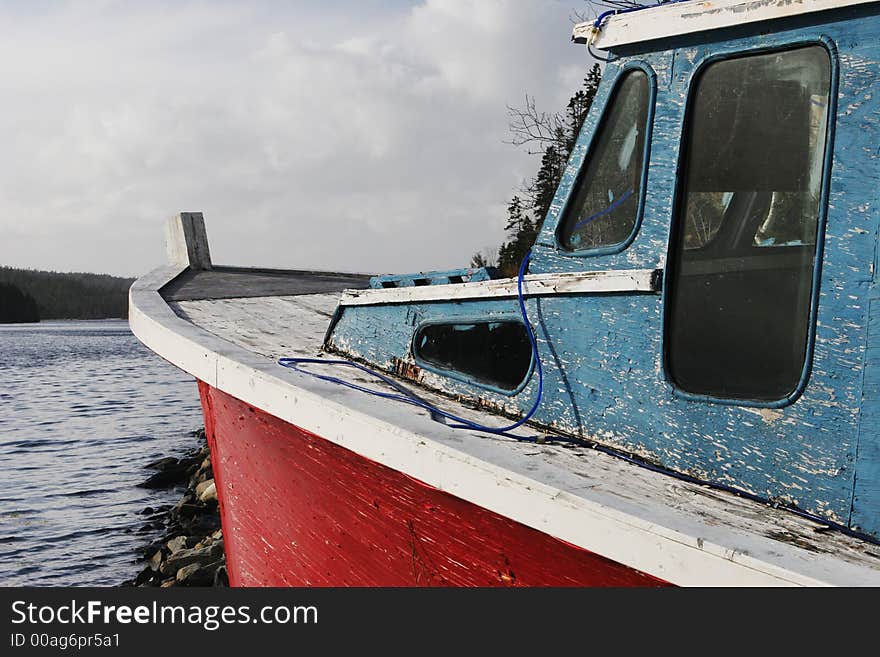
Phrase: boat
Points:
(680, 388)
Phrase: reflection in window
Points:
(742, 260)
(605, 201)
(498, 354)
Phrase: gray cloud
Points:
(362, 138)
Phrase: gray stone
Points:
(184, 573)
(155, 560)
(202, 486)
(177, 544)
(199, 575)
(209, 493)
(161, 464)
(192, 556)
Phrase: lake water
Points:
(83, 407)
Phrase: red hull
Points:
(299, 510)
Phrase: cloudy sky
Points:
(359, 135)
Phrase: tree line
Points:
(555, 136)
(29, 295)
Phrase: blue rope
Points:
(409, 398)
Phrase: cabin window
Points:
(742, 260)
(604, 205)
(496, 354)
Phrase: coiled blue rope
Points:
(409, 398)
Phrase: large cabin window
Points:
(742, 258)
(495, 354)
(604, 206)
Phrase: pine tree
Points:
(557, 134)
(16, 306)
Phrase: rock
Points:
(144, 576)
(177, 544)
(189, 510)
(184, 573)
(190, 550)
(199, 575)
(162, 464)
(166, 478)
(209, 493)
(221, 577)
(188, 498)
(203, 524)
(202, 486)
(200, 556)
(147, 552)
(155, 560)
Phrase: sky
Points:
(356, 135)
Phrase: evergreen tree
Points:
(16, 306)
(556, 134)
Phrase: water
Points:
(83, 406)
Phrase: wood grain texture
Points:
(271, 326)
(238, 282)
(298, 510)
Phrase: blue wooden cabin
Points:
(704, 290)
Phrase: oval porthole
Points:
(495, 354)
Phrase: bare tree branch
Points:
(529, 126)
(599, 6)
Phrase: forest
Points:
(554, 135)
(29, 295)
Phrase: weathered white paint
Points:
(275, 327)
(591, 282)
(689, 17)
(680, 532)
(186, 241)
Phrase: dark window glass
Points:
(742, 260)
(605, 202)
(494, 353)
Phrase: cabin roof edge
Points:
(680, 18)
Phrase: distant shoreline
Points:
(30, 294)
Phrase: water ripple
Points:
(84, 407)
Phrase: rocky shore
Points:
(190, 550)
